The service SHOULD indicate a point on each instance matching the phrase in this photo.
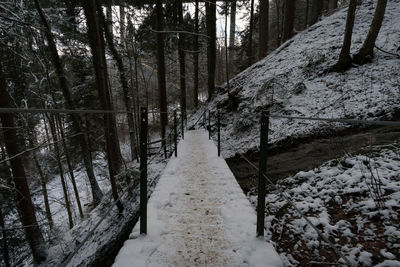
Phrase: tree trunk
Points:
(196, 57)
(161, 72)
(226, 50)
(250, 48)
(182, 65)
(288, 22)
(332, 5)
(125, 87)
(316, 10)
(263, 28)
(43, 181)
(76, 121)
(211, 48)
(96, 42)
(23, 199)
(122, 28)
(232, 36)
(367, 50)
(70, 168)
(307, 11)
(344, 61)
(53, 132)
(109, 20)
(6, 251)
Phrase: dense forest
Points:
(74, 75)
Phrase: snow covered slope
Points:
(294, 80)
(198, 216)
(340, 198)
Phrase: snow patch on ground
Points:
(340, 199)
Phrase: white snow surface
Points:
(198, 216)
(339, 198)
(294, 80)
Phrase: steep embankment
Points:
(294, 80)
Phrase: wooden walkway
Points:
(198, 216)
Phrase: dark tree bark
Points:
(263, 28)
(288, 23)
(69, 164)
(182, 64)
(6, 251)
(316, 10)
(161, 71)
(44, 192)
(226, 50)
(43, 182)
(109, 20)
(53, 132)
(23, 199)
(367, 50)
(344, 61)
(122, 29)
(212, 46)
(196, 57)
(76, 121)
(332, 5)
(307, 11)
(232, 35)
(251, 28)
(125, 87)
(96, 42)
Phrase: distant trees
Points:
(263, 28)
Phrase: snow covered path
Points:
(198, 216)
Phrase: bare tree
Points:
(264, 28)
(367, 50)
(23, 199)
(161, 71)
(76, 121)
(251, 28)
(288, 21)
(232, 35)
(196, 57)
(211, 17)
(344, 61)
(181, 55)
(316, 10)
(96, 41)
(127, 97)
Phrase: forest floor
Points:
(354, 201)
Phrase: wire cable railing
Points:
(281, 191)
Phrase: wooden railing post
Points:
(262, 172)
(219, 133)
(183, 125)
(209, 125)
(143, 170)
(175, 135)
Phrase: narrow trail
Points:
(198, 216)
